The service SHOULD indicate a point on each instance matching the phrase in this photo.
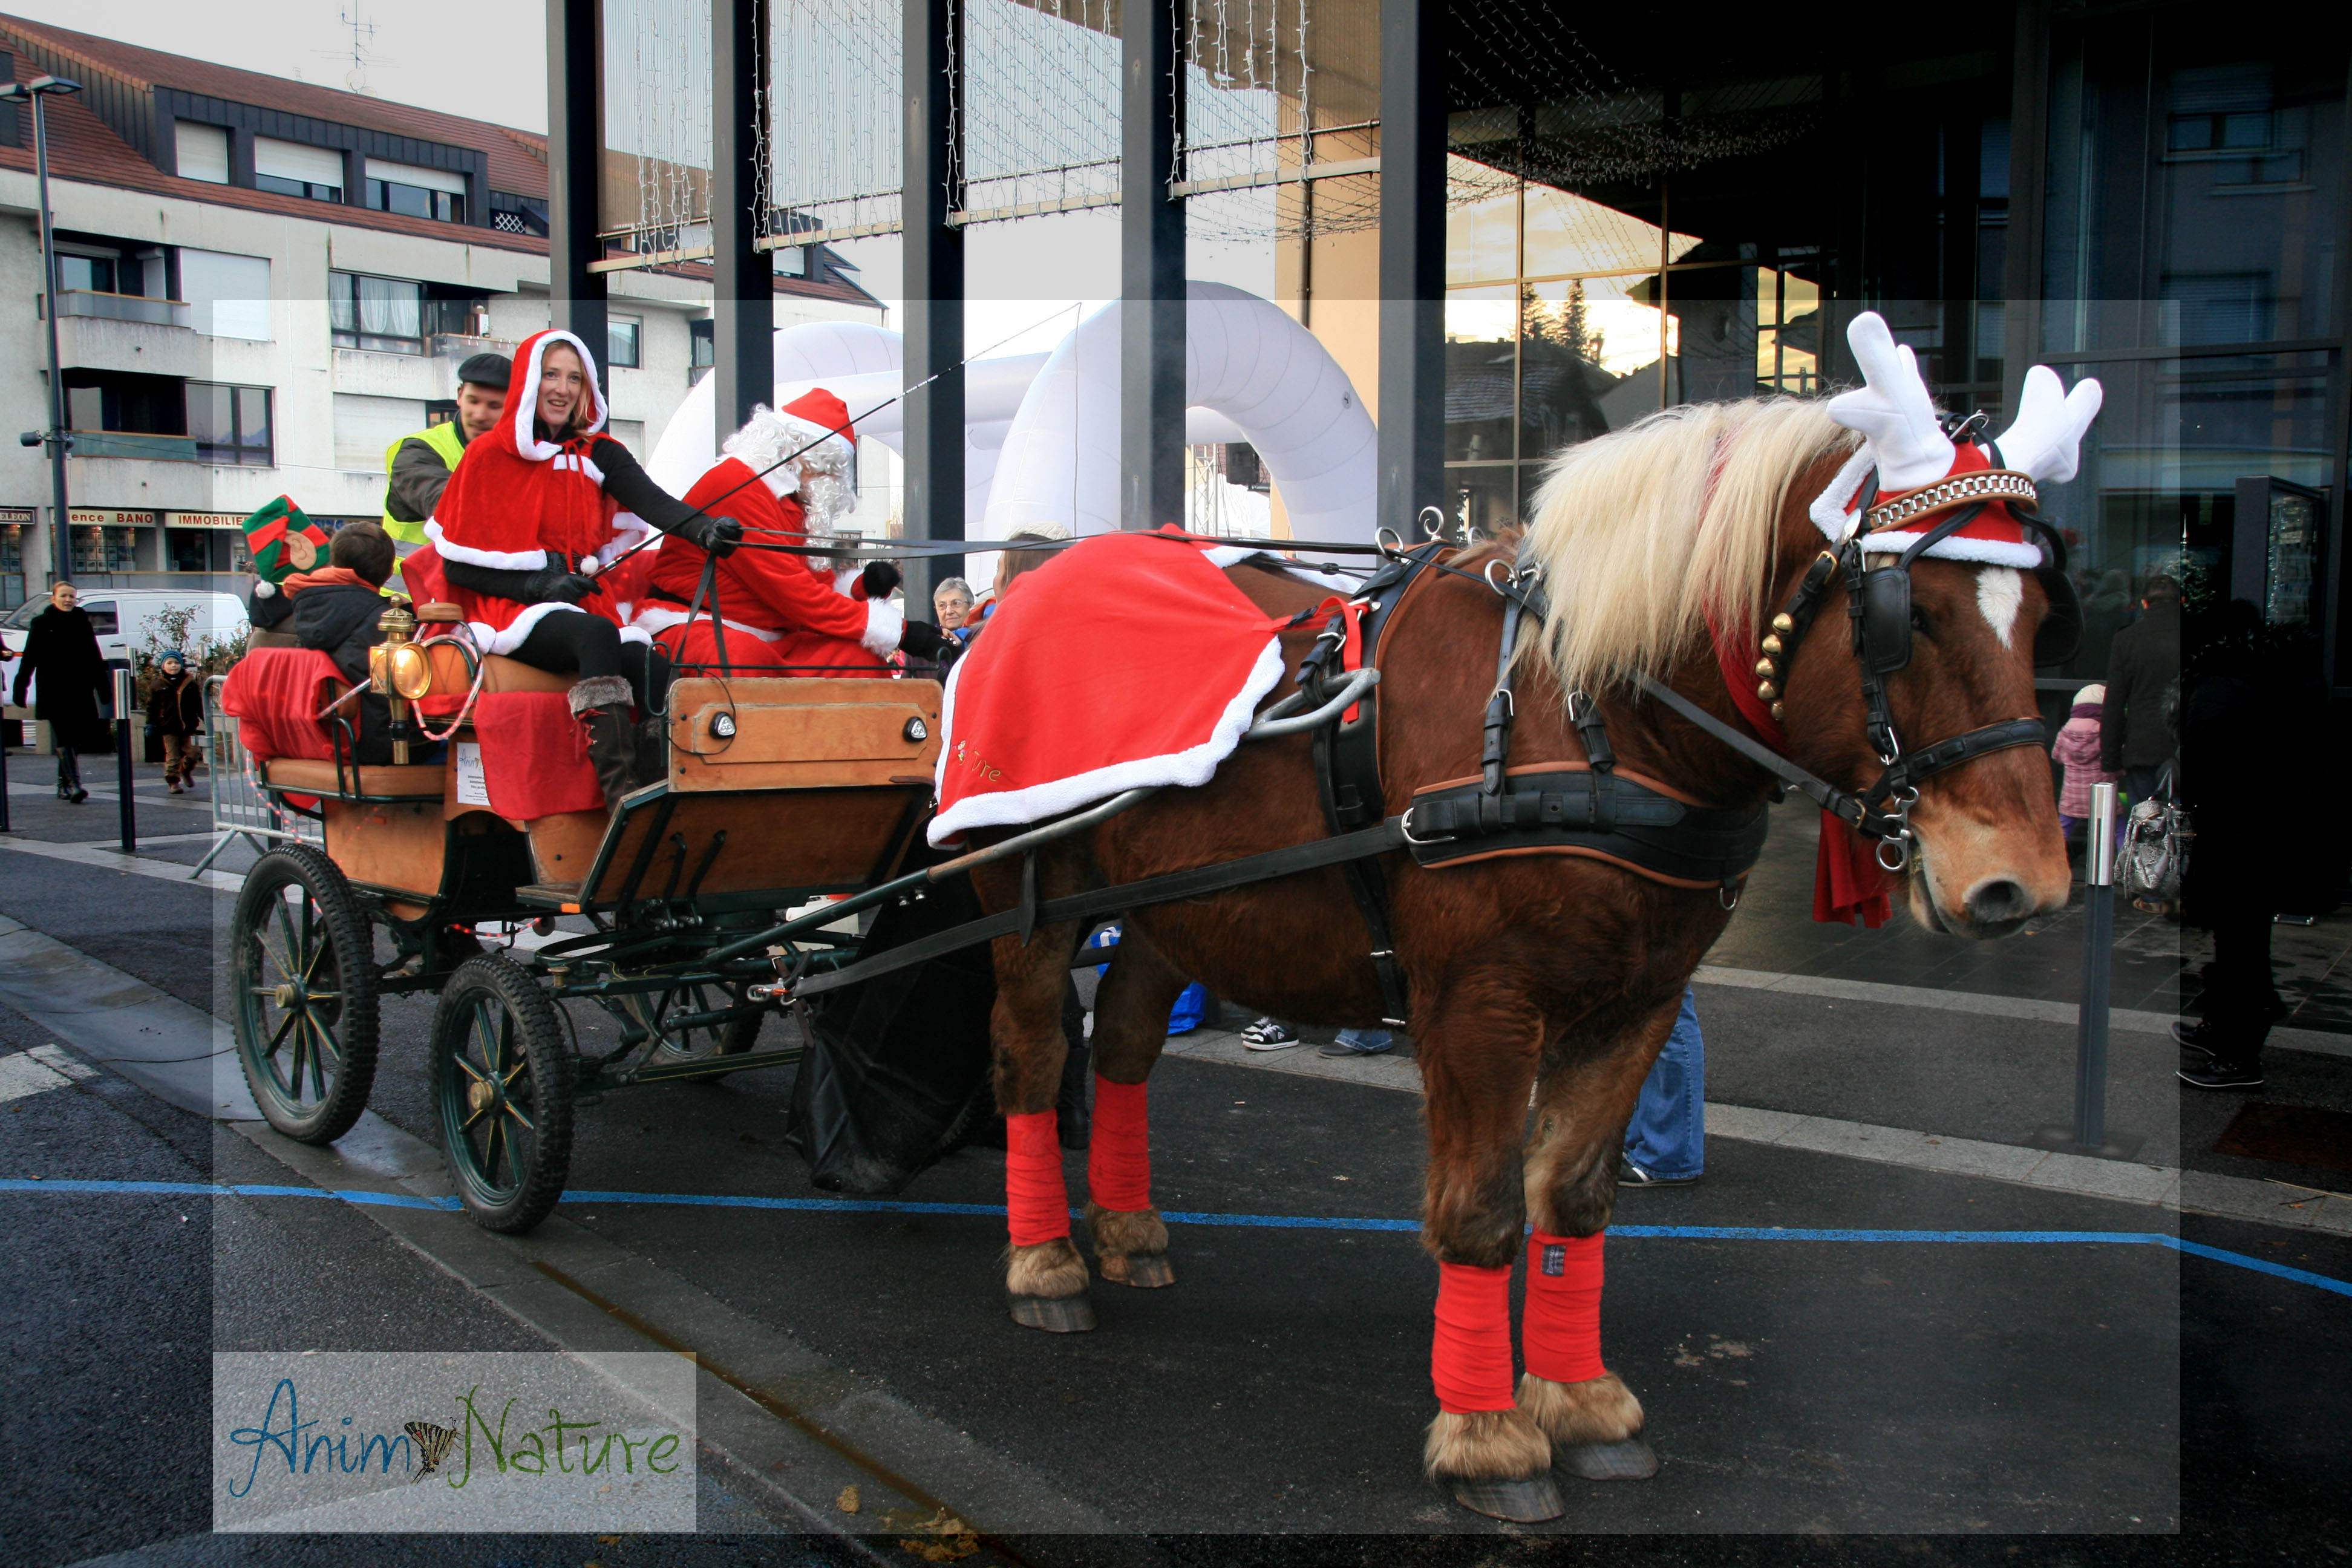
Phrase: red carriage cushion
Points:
(275, 695)
(534, 755)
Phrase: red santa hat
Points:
(1923, 476)
(523, 393)
(813, 424)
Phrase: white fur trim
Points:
(884, 624)
(1958, 547)
(1188, 768)
(504, 642)
(846, 580)
(1829, 511)
(574, 462)
(628, 531)
(661, 618)
(502, 559)
(526, 408)
(2000, 594)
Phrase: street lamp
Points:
(61, 537)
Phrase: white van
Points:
(122, 618)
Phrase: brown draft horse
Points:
(1547, 970)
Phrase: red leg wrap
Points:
(1118, 1153)
(1036, 1205)
(1562, 1336)
(1470, 1355)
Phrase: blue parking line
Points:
(1256, 1220)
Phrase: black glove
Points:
(881, 579)
(553, 584)
(925, 641)
(716, 535)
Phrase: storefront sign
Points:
(109, 517)
(18, 516)
(204, 519)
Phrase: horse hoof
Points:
(1054, 1314)
(1144, 1270)
(1528, 1501)
(1630, 1460)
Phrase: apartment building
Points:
(261, 284)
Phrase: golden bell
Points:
(1772, 645)
(1766, 691)
(1765, 668)
(1779, 708)
(1784, 624)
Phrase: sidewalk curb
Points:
(785, 1422)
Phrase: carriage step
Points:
(564, 896)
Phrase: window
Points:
(386, 314)
(229, 295)
(511, 214)
(98, 275)
(365, 426)
(116, 548)
(415, 191)
(230, 425)
(202, 151)
(297, 169)
(621, 340)
(702, 347)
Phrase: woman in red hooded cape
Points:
(537, 510)
(784, 475)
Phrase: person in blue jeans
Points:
(1665, 1143)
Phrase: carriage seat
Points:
(313, 775)
(501, 674)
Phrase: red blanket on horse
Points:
(1126, 660)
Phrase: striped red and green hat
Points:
(283, 542)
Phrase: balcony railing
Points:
(89, 303)
(135, 444)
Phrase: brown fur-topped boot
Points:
(600, 703)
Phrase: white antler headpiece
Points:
(1892, 409)
(2046, 436)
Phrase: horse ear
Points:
(2047, 435)
(1892, 409)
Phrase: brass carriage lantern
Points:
(399, 671)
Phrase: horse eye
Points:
(1918, 619)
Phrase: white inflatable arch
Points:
(1250, 372)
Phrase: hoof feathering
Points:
(1498, 1455)
(1144, 1270)
(1049, 1268)
(1602, 1410)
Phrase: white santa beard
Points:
(826, 498)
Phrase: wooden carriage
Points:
(775, 792)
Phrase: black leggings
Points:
(576, 640)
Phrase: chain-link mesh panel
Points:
(836, 155)
(657, 104)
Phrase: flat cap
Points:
(487, 370)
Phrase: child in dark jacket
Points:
(176, 714)
(336, 611)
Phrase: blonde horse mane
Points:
(1648, 533)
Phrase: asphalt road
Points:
(1826, 1401)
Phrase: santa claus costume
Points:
(536, 511)
(781, 611)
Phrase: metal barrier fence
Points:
(240, 809)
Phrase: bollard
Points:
(122, 761)
(2089, 1134)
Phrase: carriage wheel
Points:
(302, 959)
(503, 1086)
(732, 1038)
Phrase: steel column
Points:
(933, 285)
(2029, 160)
(743, 286)
(575, 158)
(1412, 261)
(1151, 270)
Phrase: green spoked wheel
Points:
(502, 1083)
(302, 962)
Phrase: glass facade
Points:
(1631, 228)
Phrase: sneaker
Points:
(1629, 1174)
(2201, 1035)
(1359, 1043)
(1269, 1034)
(2220, 1073)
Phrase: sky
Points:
(482, 59)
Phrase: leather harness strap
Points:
(1348, 761)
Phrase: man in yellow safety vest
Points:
(418, 466)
